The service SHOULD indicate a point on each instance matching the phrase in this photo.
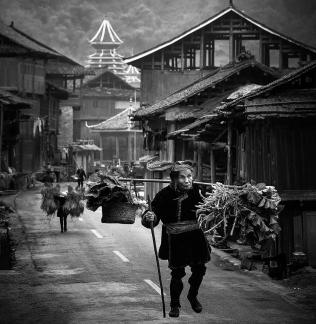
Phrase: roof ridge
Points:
(207, 22)
(41, 44)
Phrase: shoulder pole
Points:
(157, 262)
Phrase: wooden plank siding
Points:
(157, 84)
(281, 153)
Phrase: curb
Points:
(226, 257)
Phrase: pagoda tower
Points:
(105, 42)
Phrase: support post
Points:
(1, 131)
(117, 147)
(162, 60)
(202, 51)
(260, 58)
(129, 147)
(170, 144)
(199, 162)
(229, 153)
(101, 146)
(212, 163)
(135, 146)
(182, 56)
(231, 48)
(280, 56)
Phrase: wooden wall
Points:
(159, 84)
(280, 152)
(25, 75)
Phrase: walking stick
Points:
(157, 262)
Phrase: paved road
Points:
(104, 273)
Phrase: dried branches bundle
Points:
(249, 213)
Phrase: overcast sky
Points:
(67, 25)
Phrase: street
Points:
(106, 273)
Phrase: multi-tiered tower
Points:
(106, 41)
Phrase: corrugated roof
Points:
(198, 86)
(206, 22)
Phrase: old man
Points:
(183, 243)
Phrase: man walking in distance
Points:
(182, 242)
(81, 176)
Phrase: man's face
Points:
(185, 180)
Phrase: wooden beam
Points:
(182, 56)
(202, 51)
(199, 162)
(213, 166)
(1, 130)
(229, 153)
(280, 55)
(135, 146)
(260, 58)
(231, 48)
(117, 147)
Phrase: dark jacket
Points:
(81, 174)
(166, 207)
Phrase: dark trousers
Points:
(176, 285)
(63, 223)
(80, 183)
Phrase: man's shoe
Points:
(61, 231)
(195, 304)
(174, 312)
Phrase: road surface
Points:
(106, 273)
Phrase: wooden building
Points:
(269, 135)
(214, 42)
(41, 75)
(120, 138)
(188, 76)
(102, 97)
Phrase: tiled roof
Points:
(120, 121)
(99, 72)
(7, 98)
(15, 36)
(58, 63)
(289, 77)
(226, 108)
(200, 85)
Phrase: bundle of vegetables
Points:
(109, 189)
(73, 204)
(249, 213)
(49, 204)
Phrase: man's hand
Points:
(149, 217)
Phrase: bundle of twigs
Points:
(109, 190)
(73, 204)
(250, 210)
(49, 204)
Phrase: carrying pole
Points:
(157, 262)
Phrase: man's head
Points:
(181, 176)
